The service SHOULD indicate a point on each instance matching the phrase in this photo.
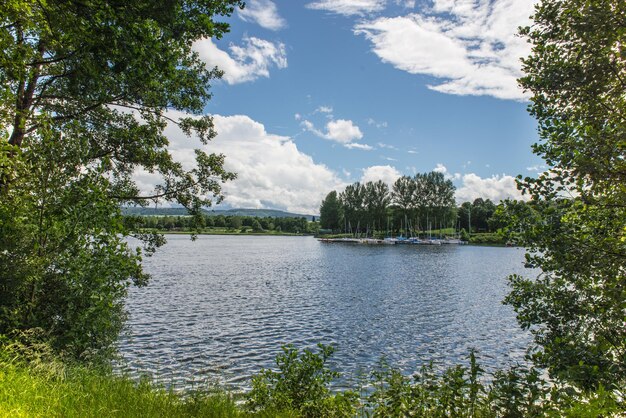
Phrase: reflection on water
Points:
(219, 308)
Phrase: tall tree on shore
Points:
(331, 212)
(353, 202)
(377, 201)
(575, 309)
(403, 196)
(87, 88)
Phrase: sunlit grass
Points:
(26, 391)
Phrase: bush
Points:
(487, 238)
(456, 392)
(301, 385)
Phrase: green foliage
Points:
(50, 389)
(87, 89)
(574, 226)
(488, 238)
(218, 224)
(461, 392)
(331, 212)
(423, 202)
(44, 386)
(458, 392)
(478, 215)
(301, 384)
(256, 226)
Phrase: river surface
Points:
(218, 309)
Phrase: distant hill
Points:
(261, 213)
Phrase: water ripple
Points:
(218, 309)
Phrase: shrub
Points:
(301, 384)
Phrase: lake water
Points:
(218, 309)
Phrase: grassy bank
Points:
(487, 238)
(59, 391)
(299, 387)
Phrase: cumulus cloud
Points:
(251, 60)
(473, 186)
(264, 13)
(348, 7)
(471, 47)
(341, 130)
(496, 188)
(386, 173)
(271, 171)
(440, 168)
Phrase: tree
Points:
(352, 201)
(256, 226)
(403, 196)
(234, 222)
(87, 90)
(482, 211)
(574, 230)
(377, 201)
(331, 213)
(440, 198)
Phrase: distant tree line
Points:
(412, 205)
(295, 225)
(478, 216)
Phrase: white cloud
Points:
(271, 171)
(495, 188)
(387, 146)
(244, 63)
(379, 125)
(473, 186)
(324, 109)
(470, 46)
(407, 4)
(264, 13)
(356, 145)
(440, 168)
(537, 168)
(348, 7)
(341, 130)
(386, 173)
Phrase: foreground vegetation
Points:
(299, 386)
(69, 150)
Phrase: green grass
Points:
(47, 388)
(487, 238)
(81, 392)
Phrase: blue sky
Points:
(322, 93)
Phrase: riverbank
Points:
(55, 390)
(480, 238)
(227, 232)
(299, 389)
